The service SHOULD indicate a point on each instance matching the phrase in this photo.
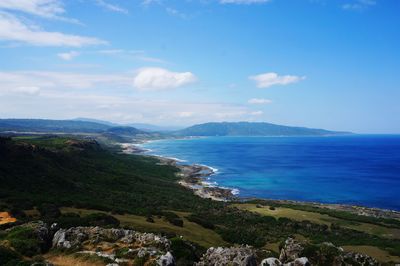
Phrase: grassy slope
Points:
(300, 215)
(190, 231)
(319, 218)
(92, 177)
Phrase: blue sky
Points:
(331, 64)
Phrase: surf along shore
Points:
(196, 176)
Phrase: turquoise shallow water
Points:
(359, 169)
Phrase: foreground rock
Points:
(291, 250)
(292, 254)
(236, 256)
(116, 245)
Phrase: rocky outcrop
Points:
(271, 262)
(303, 261)
(117, 245)
(291, 250)
(292, 254)
(166, 260)
(236, 256)
(352, 258)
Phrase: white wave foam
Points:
(170, 158)
(214, 170)
(210, 183)
(235, 191)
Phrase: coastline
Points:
(195, 177)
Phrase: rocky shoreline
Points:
(195, 177)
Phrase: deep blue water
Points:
(360, 169)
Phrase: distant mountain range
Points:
(251, 129)
(51, 126)
(141, 126)
(207, 129)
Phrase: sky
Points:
(332, 64)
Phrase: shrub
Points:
(8, 256)
(25, 241)
(149, 219)
(177, 222)
(185, 252)
(173, 218)
(204, 223)
(49, 211)
(101, 219)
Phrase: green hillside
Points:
(251, 129)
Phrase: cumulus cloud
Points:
(13, 29)
(270, 79)
(259, 101)
(154, 78)
(68, 55)
(247, 2)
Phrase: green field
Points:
(319, 218)
(190, 231)
(300, 215)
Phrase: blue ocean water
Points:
(358, 169)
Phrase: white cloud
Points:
(269, 79)
(52, 9)
(133, 54)
(14, 30)
(259, 101)
(359, 4)
(185, 114)
(104, 96)
(257, 113)
(68, 55)
(48, 80)
(149, 2)
(174, 12)
(247, 2)
(128, 109)
(25, 90)
(111, 7)
(153, 78)
(144, 79)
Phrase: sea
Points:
(359, 170)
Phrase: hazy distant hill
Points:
(141, 126)
(84, 119)
(251, 129)
(45, 125)
(150, 127)
(67, 126)
(120, 130)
